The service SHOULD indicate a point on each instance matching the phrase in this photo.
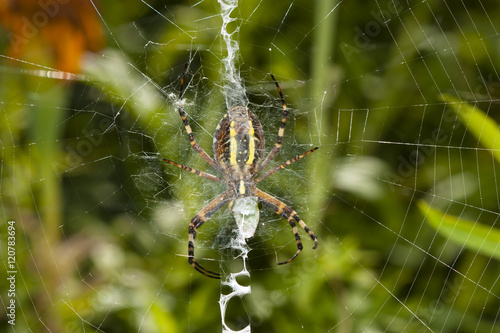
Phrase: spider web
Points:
(402, 194)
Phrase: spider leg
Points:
(185, 122)
(287, 212)
(196, 172)
(197, 222)
(283, 165)
(281, 131)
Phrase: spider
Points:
(238, 147)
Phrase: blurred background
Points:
(403, 194)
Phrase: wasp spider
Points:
(238, 150)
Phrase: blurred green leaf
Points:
(478, 123)
(472, 235)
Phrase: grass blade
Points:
(485, 129)
(472, 235)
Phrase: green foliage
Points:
(471, 234)
(485, 129)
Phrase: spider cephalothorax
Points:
(238, 150)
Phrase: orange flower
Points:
(52, 33)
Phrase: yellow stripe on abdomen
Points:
(251, 144)
(233, 144)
